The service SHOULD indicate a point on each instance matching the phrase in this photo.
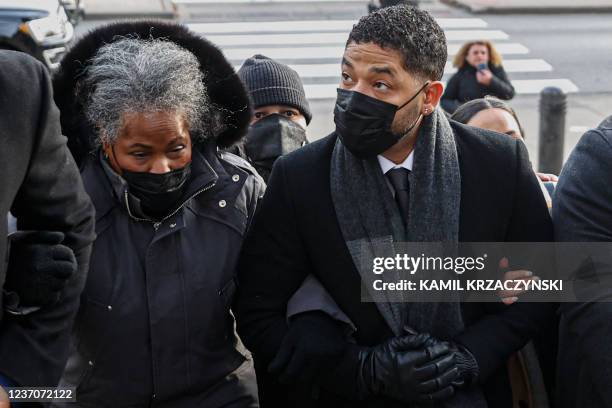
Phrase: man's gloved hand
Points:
(412, 368)
(39, 266)
(466, 364)
(315, 341)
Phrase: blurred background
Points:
(561, 43)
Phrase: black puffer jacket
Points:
(463, 87)
(155, 327)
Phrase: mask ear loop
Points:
(426, 84)
(410, 100)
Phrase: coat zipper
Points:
(157, 224)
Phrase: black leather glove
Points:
(315, 342)
(410, 368)
(39, 267)
(466, 365)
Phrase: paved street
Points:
(573, 52)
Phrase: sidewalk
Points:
(533, 6)
(115, 9)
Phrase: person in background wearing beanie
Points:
(280, 112)
(278, 127)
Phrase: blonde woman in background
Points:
(479, 73)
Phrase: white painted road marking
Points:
(579, 129)
(333, 70)
(312, 25)
(290, 53)
(335, 38)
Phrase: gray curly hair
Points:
(133, 75)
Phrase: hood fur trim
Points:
(224, 87)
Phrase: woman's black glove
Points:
(410, 368)
(38, 267)
(315, 342)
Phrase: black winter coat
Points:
(155, 325)
(155, 328)
(42, 188)
(296, 233)
(463, 87)
(582, 212)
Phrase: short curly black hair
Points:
(412, 32)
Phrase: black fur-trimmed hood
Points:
(223, 85)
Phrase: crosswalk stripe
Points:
(534, 86)
(335, 38)
(333, 70)
(320, 91)
(502, 48)
(523, 87)
(253, 27)
(282, 54)
(285, 53)
(526, 65)
(579, 129)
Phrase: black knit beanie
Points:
(272, 83)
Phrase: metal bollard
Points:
(553, 107)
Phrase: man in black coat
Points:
(394, 170)
(42, 188)
(583, 213)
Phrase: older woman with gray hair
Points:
(146, 107)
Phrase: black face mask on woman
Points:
(157, 193)
(364, 123)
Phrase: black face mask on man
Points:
(157, 193)
(364, 123)
(272, 137)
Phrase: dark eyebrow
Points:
(346, 62)
(382, 70)
(141, 145)
(177, 140)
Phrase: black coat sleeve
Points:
(450, 100)
(583, 213)
(34, 348)
(506, 329)
(272, 266)
(500, 84)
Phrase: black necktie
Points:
(399, 180)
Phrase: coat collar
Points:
(108, 189)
